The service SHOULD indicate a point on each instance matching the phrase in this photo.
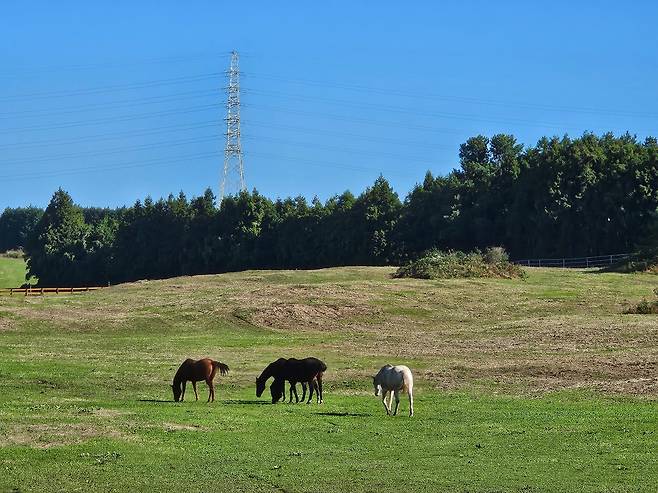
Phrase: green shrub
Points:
(13, 253)
(437, 264)
(643, 261)
(645, 307)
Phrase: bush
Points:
(644, 261)
(496, 255)
(645, 307)
(436, 264)
(18, 253)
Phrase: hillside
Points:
(12, 272)
(511, 375)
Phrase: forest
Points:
(562, 197)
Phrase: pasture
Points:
(537, 384)
(12, 272)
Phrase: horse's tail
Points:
(323, 367)
(223, 369)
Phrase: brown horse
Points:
(194, 371)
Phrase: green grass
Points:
(542, 384)
(12, 272)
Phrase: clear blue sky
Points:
(114, 101)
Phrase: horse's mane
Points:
(178, 377)
(270, 369)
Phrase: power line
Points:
(111, 119)
(154, 145)
(327, 164)
(369, 121)
(349, 150)
(411, 126)
(415, 143)
(133, 164)
(413, 111)
(109, 136)
(118, 87)
(112, 104)
(117, 64)
(463, 99)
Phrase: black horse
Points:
(307, 371)
(278, 391)
(276, 369)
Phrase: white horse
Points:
(391, 380)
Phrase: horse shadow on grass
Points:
(231, 402)
(155, 400)
(344, 414)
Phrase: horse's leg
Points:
(319, 389)
(196, 394)
(296, 394)
(384, 394)
(292, 386)
(310, 391)
(211, 388)
(303, 391)
(397, 401)
(182, 394)
(411, 402)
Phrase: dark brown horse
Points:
(194, 371)
(308, 370)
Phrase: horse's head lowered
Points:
(260, 386)
(378, 387)
(276, 390)
(177, 392)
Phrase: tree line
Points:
(562, 197)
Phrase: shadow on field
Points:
(154, 400)
(245, 401)
(343, 414)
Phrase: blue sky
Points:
(114, 101)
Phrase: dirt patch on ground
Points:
(171, 427)
(72, 317)
(6, 324)
(315, 317)
(52, 435)
(108, 413)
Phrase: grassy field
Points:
(12, 272)
(540, 384)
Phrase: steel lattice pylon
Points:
(233, 160)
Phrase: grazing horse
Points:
(274, 369)
(307, 371)
(194, 371)
(391, 380)
(277, 390)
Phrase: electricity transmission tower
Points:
(233, 162)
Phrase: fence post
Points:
(539, 262)
(610, 259)
(587, 261)
(563, 262)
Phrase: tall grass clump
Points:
(646, 307)
(437, 264)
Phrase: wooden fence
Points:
(574, 262)
(43, 291)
